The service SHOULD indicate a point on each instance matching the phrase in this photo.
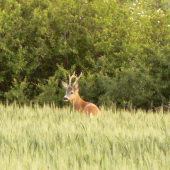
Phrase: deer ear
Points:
(65, 85)
(76, 86)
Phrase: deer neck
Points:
(78, 102)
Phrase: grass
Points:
(43, 138)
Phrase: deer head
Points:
(71, 89)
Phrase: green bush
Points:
(122, 47)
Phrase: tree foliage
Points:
(122, 47)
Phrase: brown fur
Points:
(73, 96)
(85, 107)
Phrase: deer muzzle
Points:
(65, 98)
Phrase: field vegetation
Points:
(122, 47)
(48, 137)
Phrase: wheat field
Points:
(49, 138)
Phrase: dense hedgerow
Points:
(122, 47)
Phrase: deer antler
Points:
(77, 78)
(74, 76)
(70, 78)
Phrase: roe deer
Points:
(73, 96)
